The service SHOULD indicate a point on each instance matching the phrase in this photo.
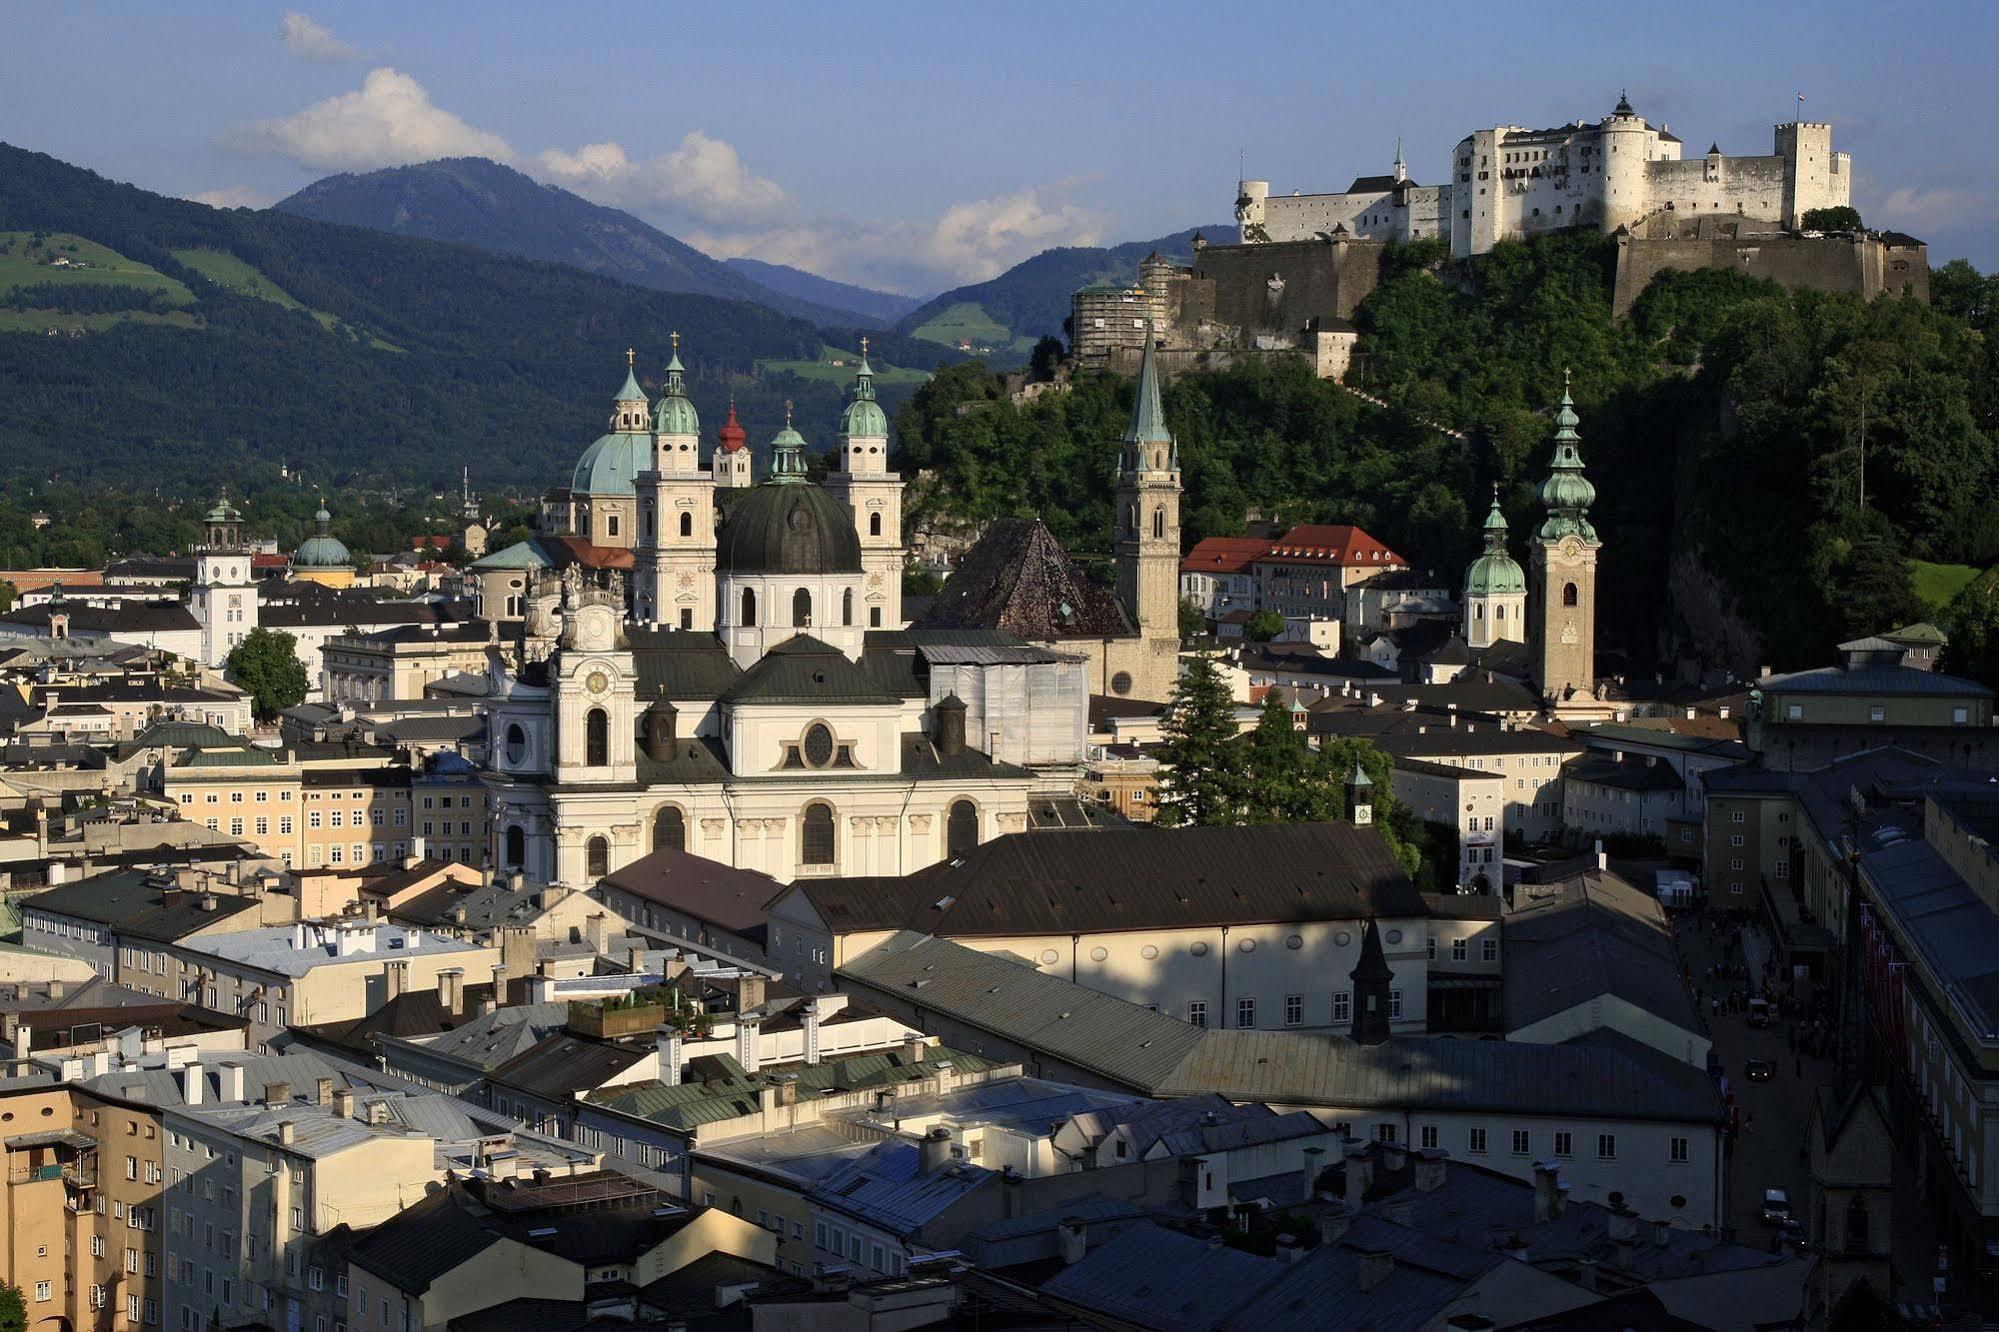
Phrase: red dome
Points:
(734, 437)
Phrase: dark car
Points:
(1759, 1070)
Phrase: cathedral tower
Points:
(1495, 589)
(732, 454)
(861, 480)
(1564, 557)
(1148, 507)
(675, 562)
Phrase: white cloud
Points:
(309, 40)
(233, 196)
(389, 121)
(704, 178)
(1917, 209)
(985, 238)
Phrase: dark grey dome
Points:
(789, 527)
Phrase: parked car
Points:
(1759, 1012)
(1758, 1070)
(1776, 1207)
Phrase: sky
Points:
(913, 147)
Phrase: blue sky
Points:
(915, 146)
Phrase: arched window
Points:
(516, 852)
(1159, 523)
(1478, 611)
(687, 524)
(645, 520)
(1131, 518)
(1568, 594)
(816, 844)
(1856, 1225)
(1499, 612)
(962, 829)
(596, 738)
(847, 607)
(669, 830)
(801, 608)
(517, 744)
(749, 618)
(874, 524)
(597, 857)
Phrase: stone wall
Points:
(1282, 288)
(1865, 265)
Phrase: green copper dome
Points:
(322, 550)
(223, 512)
(609, 466)
(864, 416)
(1495, 572)
(1567, 493)
(675, 414)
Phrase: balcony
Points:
(34, 1174)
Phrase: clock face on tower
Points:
(1571, 548)
(597, 682)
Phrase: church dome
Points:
(864, 416)
(608, 466)
(788, 527)
(322, 550)
(1490, 575)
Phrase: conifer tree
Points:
(1199, 780)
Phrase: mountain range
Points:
(206, 343)
(477, 202)
(884, 307)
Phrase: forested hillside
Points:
(1723, 423)
(354, 353)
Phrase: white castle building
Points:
(759, 700)
(1507, 183)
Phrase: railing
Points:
(80, 1174)
(34, 1174)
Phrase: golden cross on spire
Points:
(864, 347)
(787, 413)
(1565, 379)
(631, 358)
(675, 335)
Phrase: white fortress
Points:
(1508, 183)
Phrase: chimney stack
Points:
(934, 1152)
(1431, 1169)
(1289, 1249)
(1550, 1194)
(949, 715)
(1359, 1175)
(451, 990)
(193, 1084)
(1071, 1240)
(1314, 1162)
(1376, 1266)
(343, 1103)
(322, 1092)
(229, 1081)
(277, 1093)
(667, 1045)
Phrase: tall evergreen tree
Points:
(1200, 782)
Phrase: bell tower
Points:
(675, 561)
(1148, 511)
(1564, 581)
(864, 484)
(223, 597)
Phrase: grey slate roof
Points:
(1018, 578)
(680, 663)
(1909, 680)
(1628, 775)
(1587, 936)
(1151, 877)
(1149, 1276)
(885, 1187)
(806, 670)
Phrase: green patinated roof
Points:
(1495, 571)
(675, 414)
(520, 555)
(864, 416)
(610, 466)
(1920, 632)
(631, 392)
(322, 550)
(1148, 416)
(736, 1093)
(1567, 492)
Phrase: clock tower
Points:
(1564, 556)
(594, 682)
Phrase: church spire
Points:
(787, 451)
(1495, 526)
(1567, 493)
(631, 392)
(1148, 416)
(675, 414)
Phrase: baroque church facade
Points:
(752, 693)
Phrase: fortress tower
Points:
(1814, 175)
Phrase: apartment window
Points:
(1606, 1146)
(1197, 1013)
(1565, 1144)
(1520, 1147)
(1476, 1142)
(312, 818)
(1342, 1005)
(1794, 712)
(1736, 816)
(1488, 950)
(1735, 839)
(1426, 1136)
(1384, 1133)
(1679, 1151)
(1245, 1012)
(1460, 949)
(284, 825)
(43, 1293)
(1395, 1004)
(1959, 716)
(1430, 947)
(1294, 1010)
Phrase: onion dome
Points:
(322, 550)
(1494, 572)
(734, 439)
(1567, 492)
(864, 416)
(609, 466)
(224, 511)
(675, 414)
(787, 525)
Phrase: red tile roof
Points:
(1340, 544)
(567, 550)
(1223, 555)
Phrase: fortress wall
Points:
(1322, 280)
(1865, 266)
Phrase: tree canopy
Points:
(265, 666)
